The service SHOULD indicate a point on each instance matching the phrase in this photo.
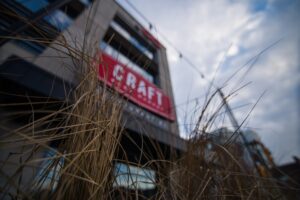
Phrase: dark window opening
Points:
(133, 32)
(73, 9)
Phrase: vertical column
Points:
(165, 83)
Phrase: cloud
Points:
(228, 33)
(233, 50)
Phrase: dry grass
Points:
(97, 132)
(86, 130)
(218, 174)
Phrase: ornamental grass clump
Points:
(67, 148)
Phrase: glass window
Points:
(59, 19)
(143, 49)
(48, 174)
(33, 5)
(132, 177)
(33, 47)
(131, 39)
(120, 30)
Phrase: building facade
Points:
(34, 62)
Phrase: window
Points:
(59, 20)
(117, 27)
(48, 175)
(33, 47)
(33, 5)
(133, 177)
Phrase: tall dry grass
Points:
(86, 130)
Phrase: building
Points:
(32, 64)
(234, 143)
(253, 154)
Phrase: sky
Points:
(260, 38)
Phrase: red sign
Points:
(135, 87)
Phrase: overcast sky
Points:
(228, 33)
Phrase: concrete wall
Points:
(165, 83)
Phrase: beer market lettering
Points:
(145, 115)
